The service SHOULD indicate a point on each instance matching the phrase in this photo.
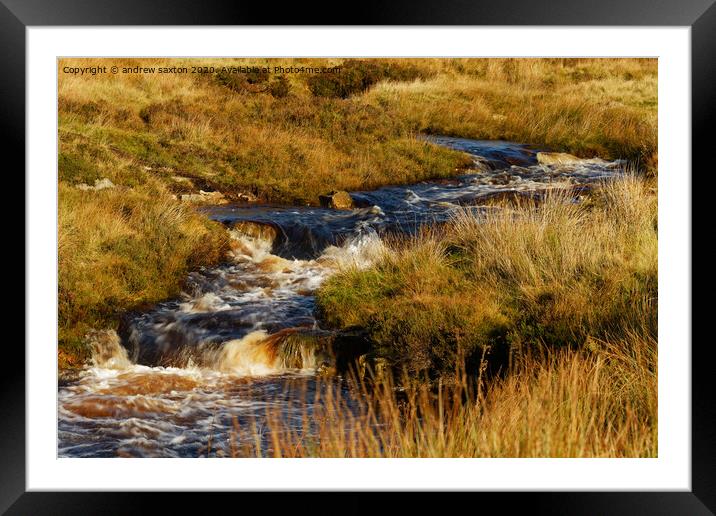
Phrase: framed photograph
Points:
(438, 250)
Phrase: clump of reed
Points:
(600, 403)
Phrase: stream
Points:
(243, 341)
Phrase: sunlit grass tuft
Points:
(554, 275)
(121, 250)
(598, 403)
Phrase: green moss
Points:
(75, 169)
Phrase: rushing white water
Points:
(120, 408)
(243, 338)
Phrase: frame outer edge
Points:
(12, 93)
(703, 112)
(368, 12)
(12, 380)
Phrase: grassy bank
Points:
(121, 250)
(347, 131)
(509, 284)
(231, 133)
(589, 107)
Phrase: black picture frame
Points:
(17, 15)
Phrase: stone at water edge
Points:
(205, 197)
(338, 200)
(556, 158)
(480, 164)
(182, 180)
(371, 367)
(562, 158)
(254, 229)
(246, 197)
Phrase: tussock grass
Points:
(552, 275)
(123, 249)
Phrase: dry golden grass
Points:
(554, 275)
(601, 403)
(120, 250)
(133, 128)
(591, 107)
(293, 148)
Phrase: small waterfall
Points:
(107, 350)
(254, 316)
(250, 356)
(249, 245)
(260, 354)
